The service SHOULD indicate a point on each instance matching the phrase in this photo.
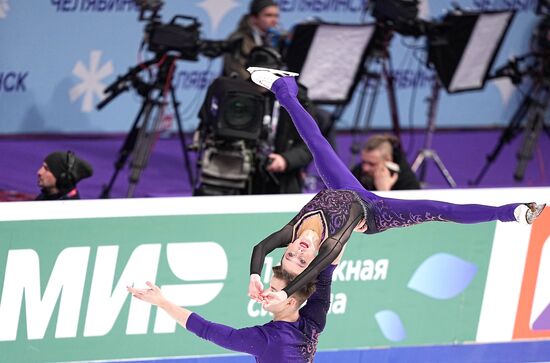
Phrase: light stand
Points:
(535, 124)
(379, 55)
(531, 111)
(333, 59)
(369, 88)
(428, 152)
(461, 49)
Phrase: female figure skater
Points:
(316, 235)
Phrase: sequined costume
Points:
(343, 212)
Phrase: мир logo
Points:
(91, 77)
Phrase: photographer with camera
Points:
(252, 31)
(384, 165)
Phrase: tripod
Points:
(147, 125)
(428, 152)
(533, 109)
(382, 57)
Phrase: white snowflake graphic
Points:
(217, 9)
(4, 7)
(91, 80)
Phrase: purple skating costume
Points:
(381, 213)
(276, 341)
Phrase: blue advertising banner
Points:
(58, 56)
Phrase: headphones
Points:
(67, 178)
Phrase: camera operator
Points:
(273, 160)
(252, 31)
(384, 165)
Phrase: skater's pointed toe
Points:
(265, 77)
(528, 212)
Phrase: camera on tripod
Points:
(181, 35)
(177, 40)
(234, 133)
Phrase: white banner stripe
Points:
(504, 279)
(104, 208)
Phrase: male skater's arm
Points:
(250, 340)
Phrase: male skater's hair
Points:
(301, 295)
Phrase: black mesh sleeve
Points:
(330, 249)
(278, 239)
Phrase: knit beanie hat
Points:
(58, 163)
(258, 5)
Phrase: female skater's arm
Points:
(275, 240)
(317, 305)
(329, 251)
(278, 239)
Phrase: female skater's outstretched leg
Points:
(391, 213)
(332, 170)
(388, 212)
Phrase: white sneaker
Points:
(266, 76)
(527, 213)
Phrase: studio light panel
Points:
(463, 47)
(334, 60)
(480, 51)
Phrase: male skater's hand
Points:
(152, 295)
